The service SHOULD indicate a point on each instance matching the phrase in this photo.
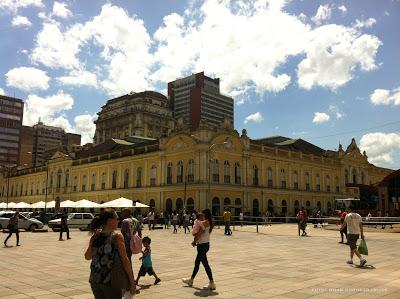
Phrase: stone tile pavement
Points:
(275, 263)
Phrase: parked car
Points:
(23, 223)
(45, 218)
(75, 220)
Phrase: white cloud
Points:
(320, 117)
(20, 21)
(256, 117)
(14, 5)
(335, 111)
(367, 23)
(381, 148)
(61, 10)
(324, 12)
(27, 79)
(48, 109)
(386, 97)
(84, 125)
(79, 78)
(2, 91)
(342, 8)
(333, 53)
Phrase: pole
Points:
(209, 180)
(47, 179)
(8, 184)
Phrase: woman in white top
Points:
(203, 245)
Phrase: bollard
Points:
(257, 223)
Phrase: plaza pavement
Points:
(275, 263)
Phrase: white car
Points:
(75, 220)
(23, 223)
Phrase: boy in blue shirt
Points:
(147, 265)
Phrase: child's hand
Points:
(193, 244)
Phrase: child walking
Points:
(147, 265)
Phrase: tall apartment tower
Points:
(198, 98)
(11, 114)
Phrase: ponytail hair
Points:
(208, 217)
(99, 221)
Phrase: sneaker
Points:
(363, 262)
(157, 281)
(188, 281)
(69, 238)
(18, 245)
(211, 286)
(341, 242)
(350, 262)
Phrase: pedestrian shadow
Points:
(365, 267)
(204, 292)
(144, 286)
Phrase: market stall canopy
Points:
(38, 205)
(84, 203)
(3, 205)
(121, 202)
(11, 205)
(22, 205)
(67, 204)
(140, 205)
(51, 205)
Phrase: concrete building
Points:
(145, 114)
(11, 114)
(197, 99)
(389, 194)
(202, 168)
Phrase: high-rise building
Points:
(11, 114)
(197, 98)
(144, 114)
(40, 141)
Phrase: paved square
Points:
(275, 263)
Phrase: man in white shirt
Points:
(353, 221)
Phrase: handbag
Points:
(362, 248)
(136, 244)
(119, 278)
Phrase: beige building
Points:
(145, 114)
(201, 169)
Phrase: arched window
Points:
(139, 177)
(67, 178)
(169, 173)
(318, 182)
(362, 178)
(346, 176)
(283, 178)
(307, 180)
(75, 183)
(93, 182)
(255, 175)
(337, 184)
(168, 205)
(238, 202)
(59, 178)
(328, 183)
(319, 205)
(190, 204)
(329, 207)
(190, 175)
(215, 168)
(84, 183)
(179, 172)
(284, 207)
(270, 177)
(237, 173)
(227, 201)
(103, 181)
(256, 208)
(227, 172)
(270, 206)
(114, 180)
(354, 176)
(179, 204)
(215, 206)
(152, 203)
(296, 207)
(153, 175)
(295, 180)
(126, 178)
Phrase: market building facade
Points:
(198, 169)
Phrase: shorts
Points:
(352, 240)
(145, 270)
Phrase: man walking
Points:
(227, 220)
(353, 221)
(13, 228)
(302, 218)
(64, 226)
(129, 226)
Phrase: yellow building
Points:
(201, 169)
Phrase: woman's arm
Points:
(124, 258)
(89, 250)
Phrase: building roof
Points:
(138, 95)
(291, 144)
(389, 177)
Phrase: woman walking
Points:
(203, 245)
(175, 221)
(106, 248)
(13, 228)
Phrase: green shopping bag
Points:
(362, 248)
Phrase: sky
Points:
(324, 71)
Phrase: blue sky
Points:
(324, 71)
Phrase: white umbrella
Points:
(84, 203)
(121, 202)
(67, 204)
(51, 205)
(3, 205)
(38, 205)
(11, 205)
(22, 205)
(140, 205)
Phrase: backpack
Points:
(136, 241)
